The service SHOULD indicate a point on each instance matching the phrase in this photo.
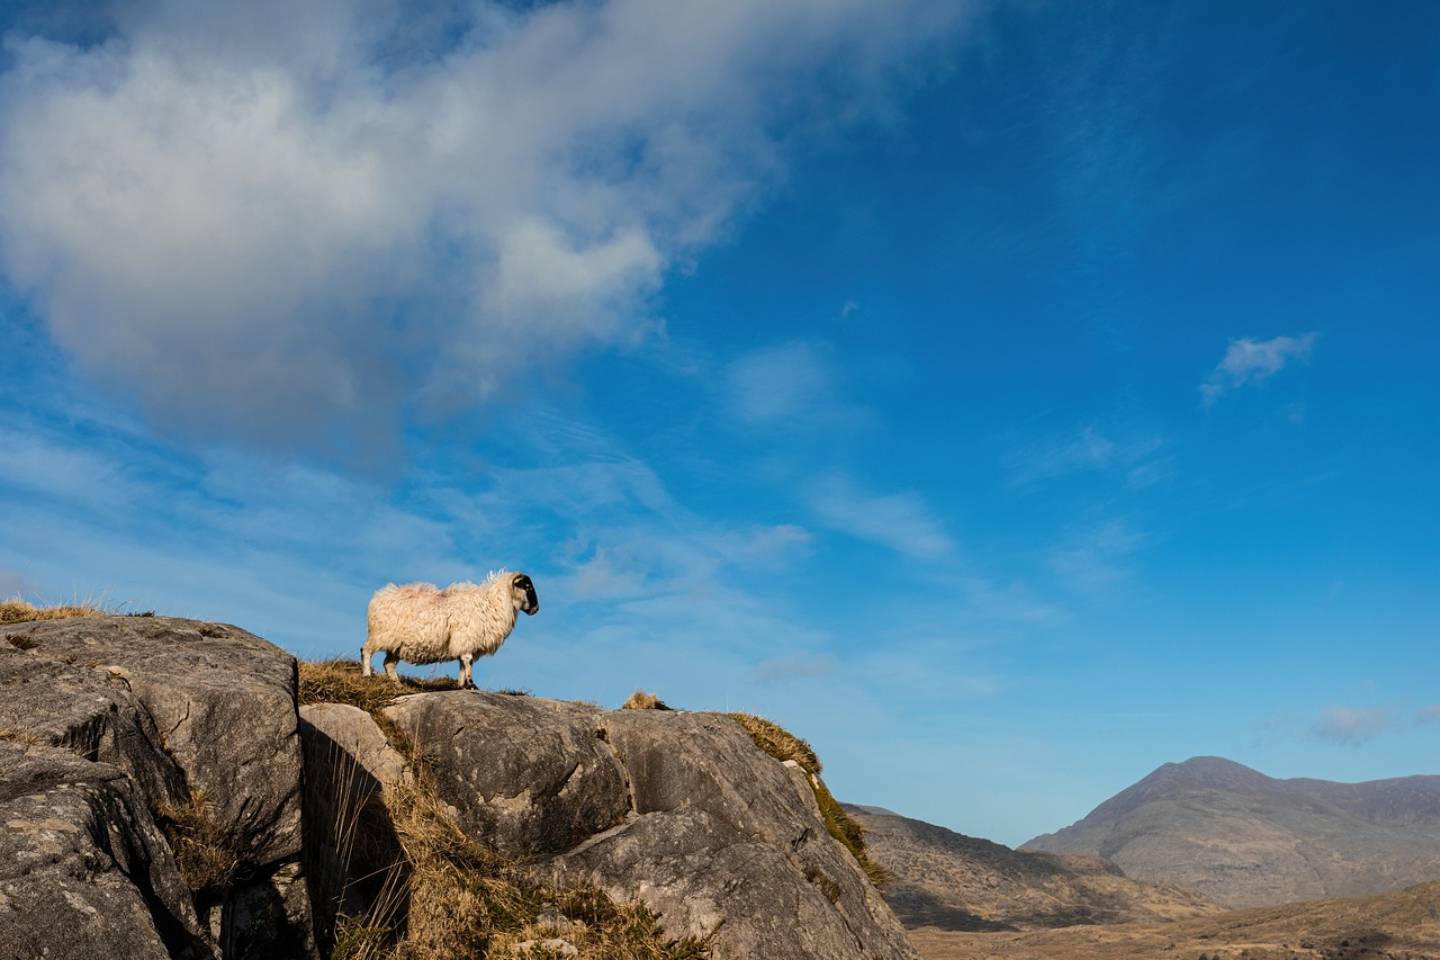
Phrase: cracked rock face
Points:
(84, 871)
(678, 809)
(182, 710)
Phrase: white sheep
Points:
(418, 623)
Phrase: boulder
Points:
(84, 870)
(201, 717)
(677, 809)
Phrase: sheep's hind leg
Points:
(390, 661)
(366, 652)
(467, 675)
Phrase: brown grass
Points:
(453, 897)
(22, 737)
(640, 700)
(340, 681)
(17, 610)
(784, 745)
(206, 856)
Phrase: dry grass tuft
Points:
(779, 742)
(206, 856)
(784, 745)
(17, 610)
(21, 737)
(340, 681)
(640, 700)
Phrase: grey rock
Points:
(85, 874)
(531, 777)
(680, 810)
(186, 709)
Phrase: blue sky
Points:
(1007, 397)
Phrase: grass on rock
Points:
(784, 745)
(17, 610)
(208, 860)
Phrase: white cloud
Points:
(1351, 725)
(1249, 361)
(269, 220)
(902, 522)
(1429, 714)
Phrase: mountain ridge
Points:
(1243, 838)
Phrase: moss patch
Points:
(784, 745)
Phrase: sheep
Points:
(418, 623)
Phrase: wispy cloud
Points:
(778, 383)
(1096, 560)
(1428, 714)
(1249, 361)
(1352, 725)
(1134, 457)
(902, 522)
(333, 217)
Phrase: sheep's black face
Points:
(524, 592)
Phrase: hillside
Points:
(1241, 838)
(947, 880)
(1399, 925)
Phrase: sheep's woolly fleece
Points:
(419, 623)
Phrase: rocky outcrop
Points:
(162, 795)
(193, 728)
(678, 809)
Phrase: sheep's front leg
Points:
(467, 675)
(390, 670)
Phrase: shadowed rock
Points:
(84, 871)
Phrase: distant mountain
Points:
(1242, 838)
(944, 879)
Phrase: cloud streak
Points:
(902, 521)
(1248, 361)
(333, 216)
(1352, 725)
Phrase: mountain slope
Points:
(1242, 838)
(944, 879)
